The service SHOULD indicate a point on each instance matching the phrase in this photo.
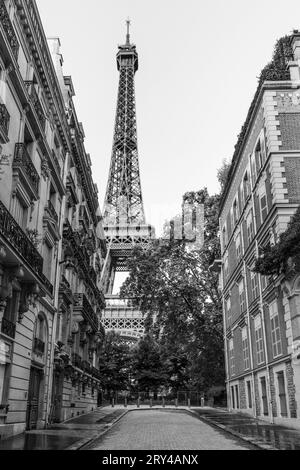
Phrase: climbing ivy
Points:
(284, 255)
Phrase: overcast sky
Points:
(198, 66)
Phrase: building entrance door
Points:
(57, 397)
(36, 376)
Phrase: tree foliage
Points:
(115, 363)
(179, 297)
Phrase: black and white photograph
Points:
(149, 229)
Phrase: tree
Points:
(146, 365)
(179, 297)
(115, 363)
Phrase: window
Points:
(275, 330)
(246, 186)
(264, 396)
(264, 282)
(226, 268)
(228, 308)
(263, 208)
(224, 236)
(245, 346)
(250, 229)
(40, 336)
(237, 396)
(47, 266)
(253, 170)
(238, 247)
(231, 357)
(235, 212)
(254, 285)
(249, 394)
(242, 295)
(20, 212)
(258, 156)
(232, 397)
(259, 341)
(282, 394)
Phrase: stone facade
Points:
(261, 314)
(52, 247)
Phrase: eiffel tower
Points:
(123, 214)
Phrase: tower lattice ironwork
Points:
(123, 214)
(123, 200)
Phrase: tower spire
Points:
(128, 23)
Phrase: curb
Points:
(249, 440)
(80, 444)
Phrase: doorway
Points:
(36, 377)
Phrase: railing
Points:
(8, 328)
(36, 103)
(22, 160)
(38, 346)
(9, 30)
(19, 240)
(52, 211)
(81, 255)
(96, 373)
(4, 118)
(86, 366)
(82, 304)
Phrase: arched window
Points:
(40, 335)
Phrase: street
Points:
(165, 430)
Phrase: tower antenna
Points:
(128, 23)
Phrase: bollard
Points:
(176, 403)
(202, 402)
(189, 402)
(113, 403)
(125, 402)
(151, 403)
(138, 402)
(164, 403)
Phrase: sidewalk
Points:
(264, 435)
(71, 434)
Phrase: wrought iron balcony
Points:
(9, 30)
(8, 328)
(4, 123)
(96, 373)
(36, 103)
(38, 346)
(86, 366)
(52, 212)
(82, 305)
(22, 161)
(10, 229)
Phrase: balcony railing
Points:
(52, 212)
(10, 229)
(23, 161)
(96, 373)
(86, 366)
(9, 30)
(36, 103)
(83, 305)
(8, 328)
(38, 346)
(4, 120)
